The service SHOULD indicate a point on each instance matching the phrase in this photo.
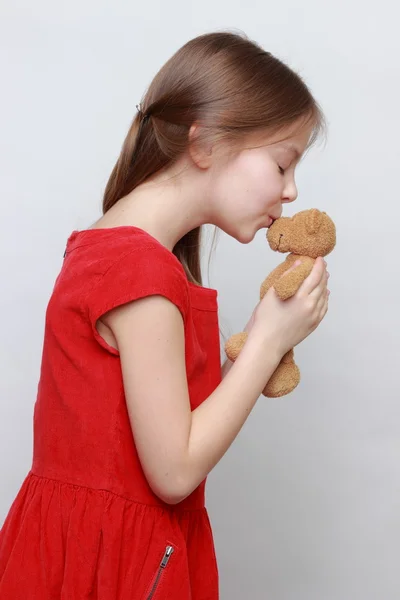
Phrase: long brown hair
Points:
(231, 87)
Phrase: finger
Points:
(320, 289)
(314, 278)
(322, 300)
(324, 309)
(325, 303)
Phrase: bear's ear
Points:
(314, 220)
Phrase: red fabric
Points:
(85, 523)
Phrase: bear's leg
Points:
(284, 379)
(234, 345)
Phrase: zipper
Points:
(167, 555)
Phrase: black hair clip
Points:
(143, 116)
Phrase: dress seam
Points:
(167, 507)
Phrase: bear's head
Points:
(308, 233)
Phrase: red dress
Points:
(85, 523)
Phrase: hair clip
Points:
(142, 115)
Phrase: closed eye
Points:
(281, 170)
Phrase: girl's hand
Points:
(286, 323)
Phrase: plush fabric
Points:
(307, 235)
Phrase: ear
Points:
(200, 155)
(314, 220)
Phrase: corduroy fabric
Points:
(85, 523)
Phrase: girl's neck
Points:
(166, 209)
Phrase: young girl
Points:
(133, 409)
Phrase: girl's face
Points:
(250, 188)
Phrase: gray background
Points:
(306, 503)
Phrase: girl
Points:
(133, 409)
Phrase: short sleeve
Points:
(138, 273)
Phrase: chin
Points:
(245, 237)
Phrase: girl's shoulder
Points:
(105, 268)
(108, 246)
(111, 266)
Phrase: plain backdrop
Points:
(306, 503)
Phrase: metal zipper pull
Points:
(167, 555)
(169, 550)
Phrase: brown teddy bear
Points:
(306, 235)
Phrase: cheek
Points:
(259, 170)
(248, 186)
(243, 178)
(258, 182)
(252, 167)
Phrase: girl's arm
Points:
(178, 447)
(228, 363)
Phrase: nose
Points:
(290, 192)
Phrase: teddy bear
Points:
(307, 235)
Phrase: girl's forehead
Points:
(295, 144)
(294, 138)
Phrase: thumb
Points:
(294, 266)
